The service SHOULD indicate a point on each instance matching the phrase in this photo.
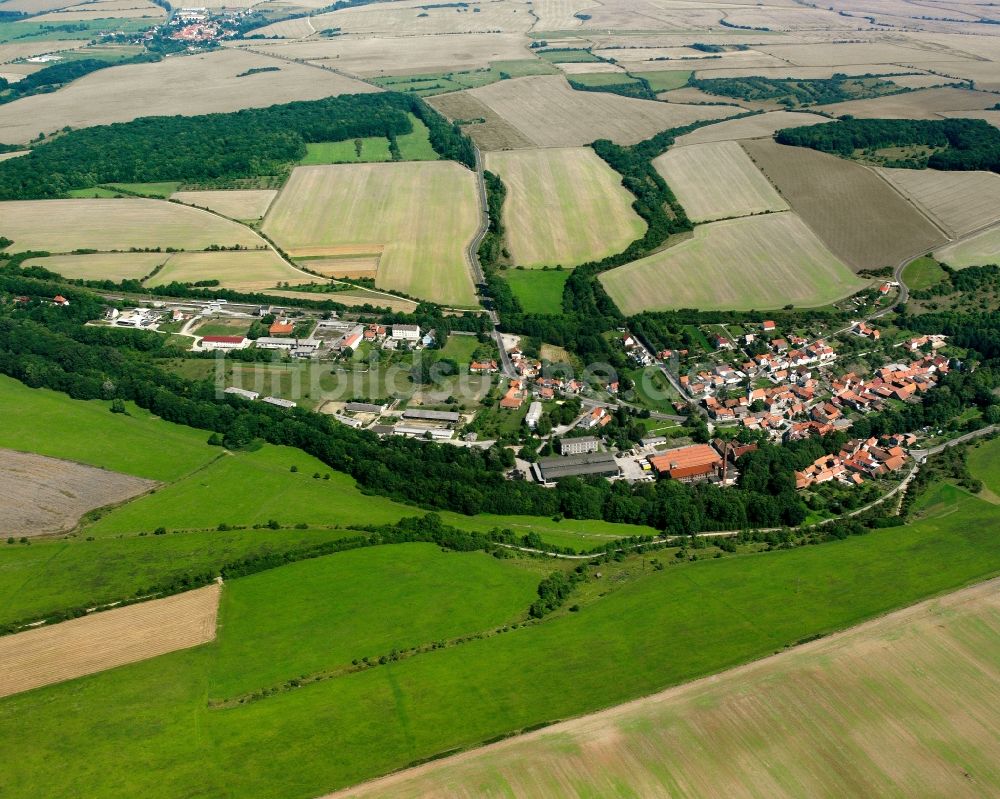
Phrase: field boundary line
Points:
(959, 595)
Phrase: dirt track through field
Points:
(905, 705)
(108, 639)
(40, 495)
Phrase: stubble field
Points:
(717, 181)
(105, 640)
(115, 266)
(978, 250)
(757, 262)
(424, 214)
(960, 202)
(563, 206)
(186, 85)
(240, 271)
(908, 702)
(551, 114)
(40, 495)
(61, 226)
(753, 127)
(247, 204)
(857, 215)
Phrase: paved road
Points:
(478, 277)
(921, 454)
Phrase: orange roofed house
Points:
(281, 328)
(695, 462)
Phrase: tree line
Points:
(243, 144)
(960, 144)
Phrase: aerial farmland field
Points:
(960, 202)
(114, 266)
(717, 181)
(551, 114)
(563, 206)
(241, 271)
(423, 214)
(977, 250)
(863, 221)
(40, 495)
(61, 226)
(239, 204)
(752, 127)
(756, 262)
(187, 85)
(105, 640)
(911, 683)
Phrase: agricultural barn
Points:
(432, 416)
(696, 462)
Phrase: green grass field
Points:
(538, 290)
(691, 619)
(360, 603)
(28, 31)
(267, 490)
(667, 80)
(923, 273)
(415, 146)
(42, 421)
(568, 56)
(160, 190)
(603, 79)
(460, 348)
(52, 575)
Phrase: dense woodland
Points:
(242, 144)
(953, 144)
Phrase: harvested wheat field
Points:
(61, 226)
(906, 705)
(115, 266)
(108, 639)
(373, 56)
(921, 104)
(10, 51)
(857, 214)
(558, 15)
(564, 206)
(978, 250)
(717, 181)
(424, 214)
(348, 262)
(419, 18)
(551, 114)
(756, 262)
(485, 126)
(960, 202)
(242, 204)
(188, 85)
(240, 271)
(40, 495)
(755, 127)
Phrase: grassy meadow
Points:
(922, 273)
(414, 146)
(538, 290)
(353, 726)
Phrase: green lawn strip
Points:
(162, 190)
(604, 79)
(459, 348)
(665, 81)
(661, 629)
(568, 56)
(319, 615)
(267, 489)
(42, 421)
(97, 192)
(538, 290)
(53, 575)
(345, 152)
(923, 273)
(416, 146)
(984, 463)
